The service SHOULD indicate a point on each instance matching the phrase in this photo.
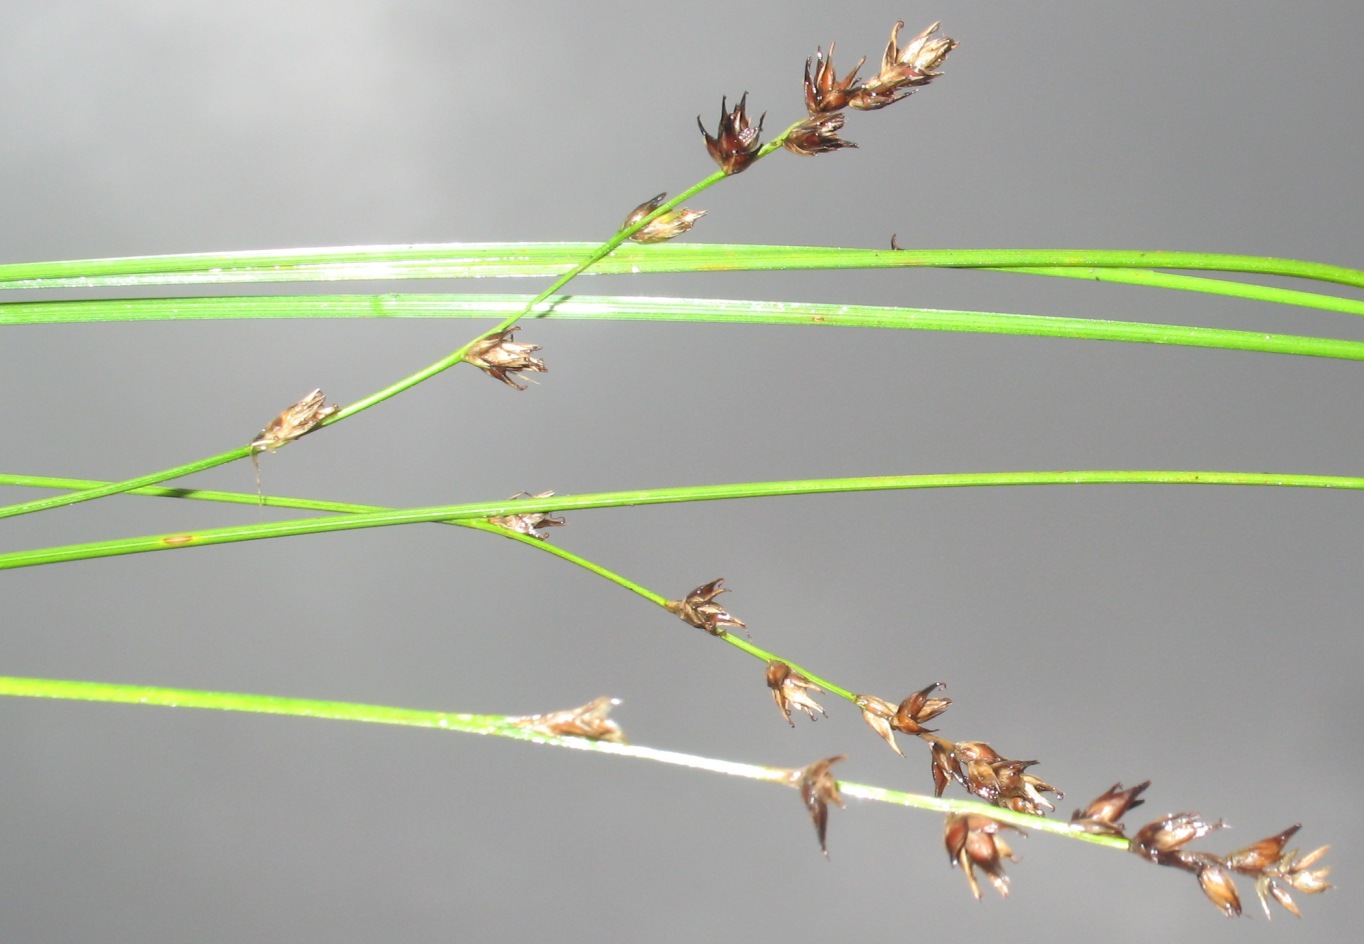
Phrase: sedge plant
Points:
(984, 794)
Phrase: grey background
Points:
(1204, 638)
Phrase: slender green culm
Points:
(499, 726)
(655, 496)
(535, 259)
(698, 310)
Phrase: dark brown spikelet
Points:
(588, 721)
(1217, 885)
(663, 227)
(790, 688)
(945, 766)
(1104, 813)
(824, 91)
(499, 356)
(819, 788)
(700, 609)
(817, 134)
(973, 841)
(736, 141)
(1022, 792)
(1161, 841)
(918, 708)
(532, 523)
(978, 759)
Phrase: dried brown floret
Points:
(973, 840)
(790, 688)
(663, 227)
(1108, 808)
(1264, 854)
(903, 68)
(877, 712)
(978, 759)
(1159, 841)
(824, 91)
(589, 721)
(294, 422)
(1274, 869)
(700, 609)
(1296, 873)
(1021, 791)
(945, 766)
(817, 134)
(1220, 889)
(531, 523)
(819, 788)
(736, 141)
(498, 356)
(918, 708)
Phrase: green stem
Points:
(713, 311)
(475, 523)
(556, 503)
(483, 260)
(498, 726)
(114, 488)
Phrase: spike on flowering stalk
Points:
(1021, 791)
(789, 688)
(877, 712)
(903, 68)
(819, 788)
(1295, 873)
(531, 523)
(588, 721)
(298, 420)
(973, 841)
(736, 141)
(824, 91)
(945, 766)
(294, 422)
(979, 759)
(1218, 886)
(918, 708)
(700, 609)
(1161, 841)
(1276, 871)
(1107, 809)
(817, 134)
(499, 356)
(664, 227)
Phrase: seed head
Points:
(736, 142)
(824, 91)
(700, 609)
(817, 134)
(973, 840)
(819, 788)
(790, 688)
(664, 227)
(902, 69)
(499, 356)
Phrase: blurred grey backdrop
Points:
(1204, 638)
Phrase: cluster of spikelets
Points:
(973, 840)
